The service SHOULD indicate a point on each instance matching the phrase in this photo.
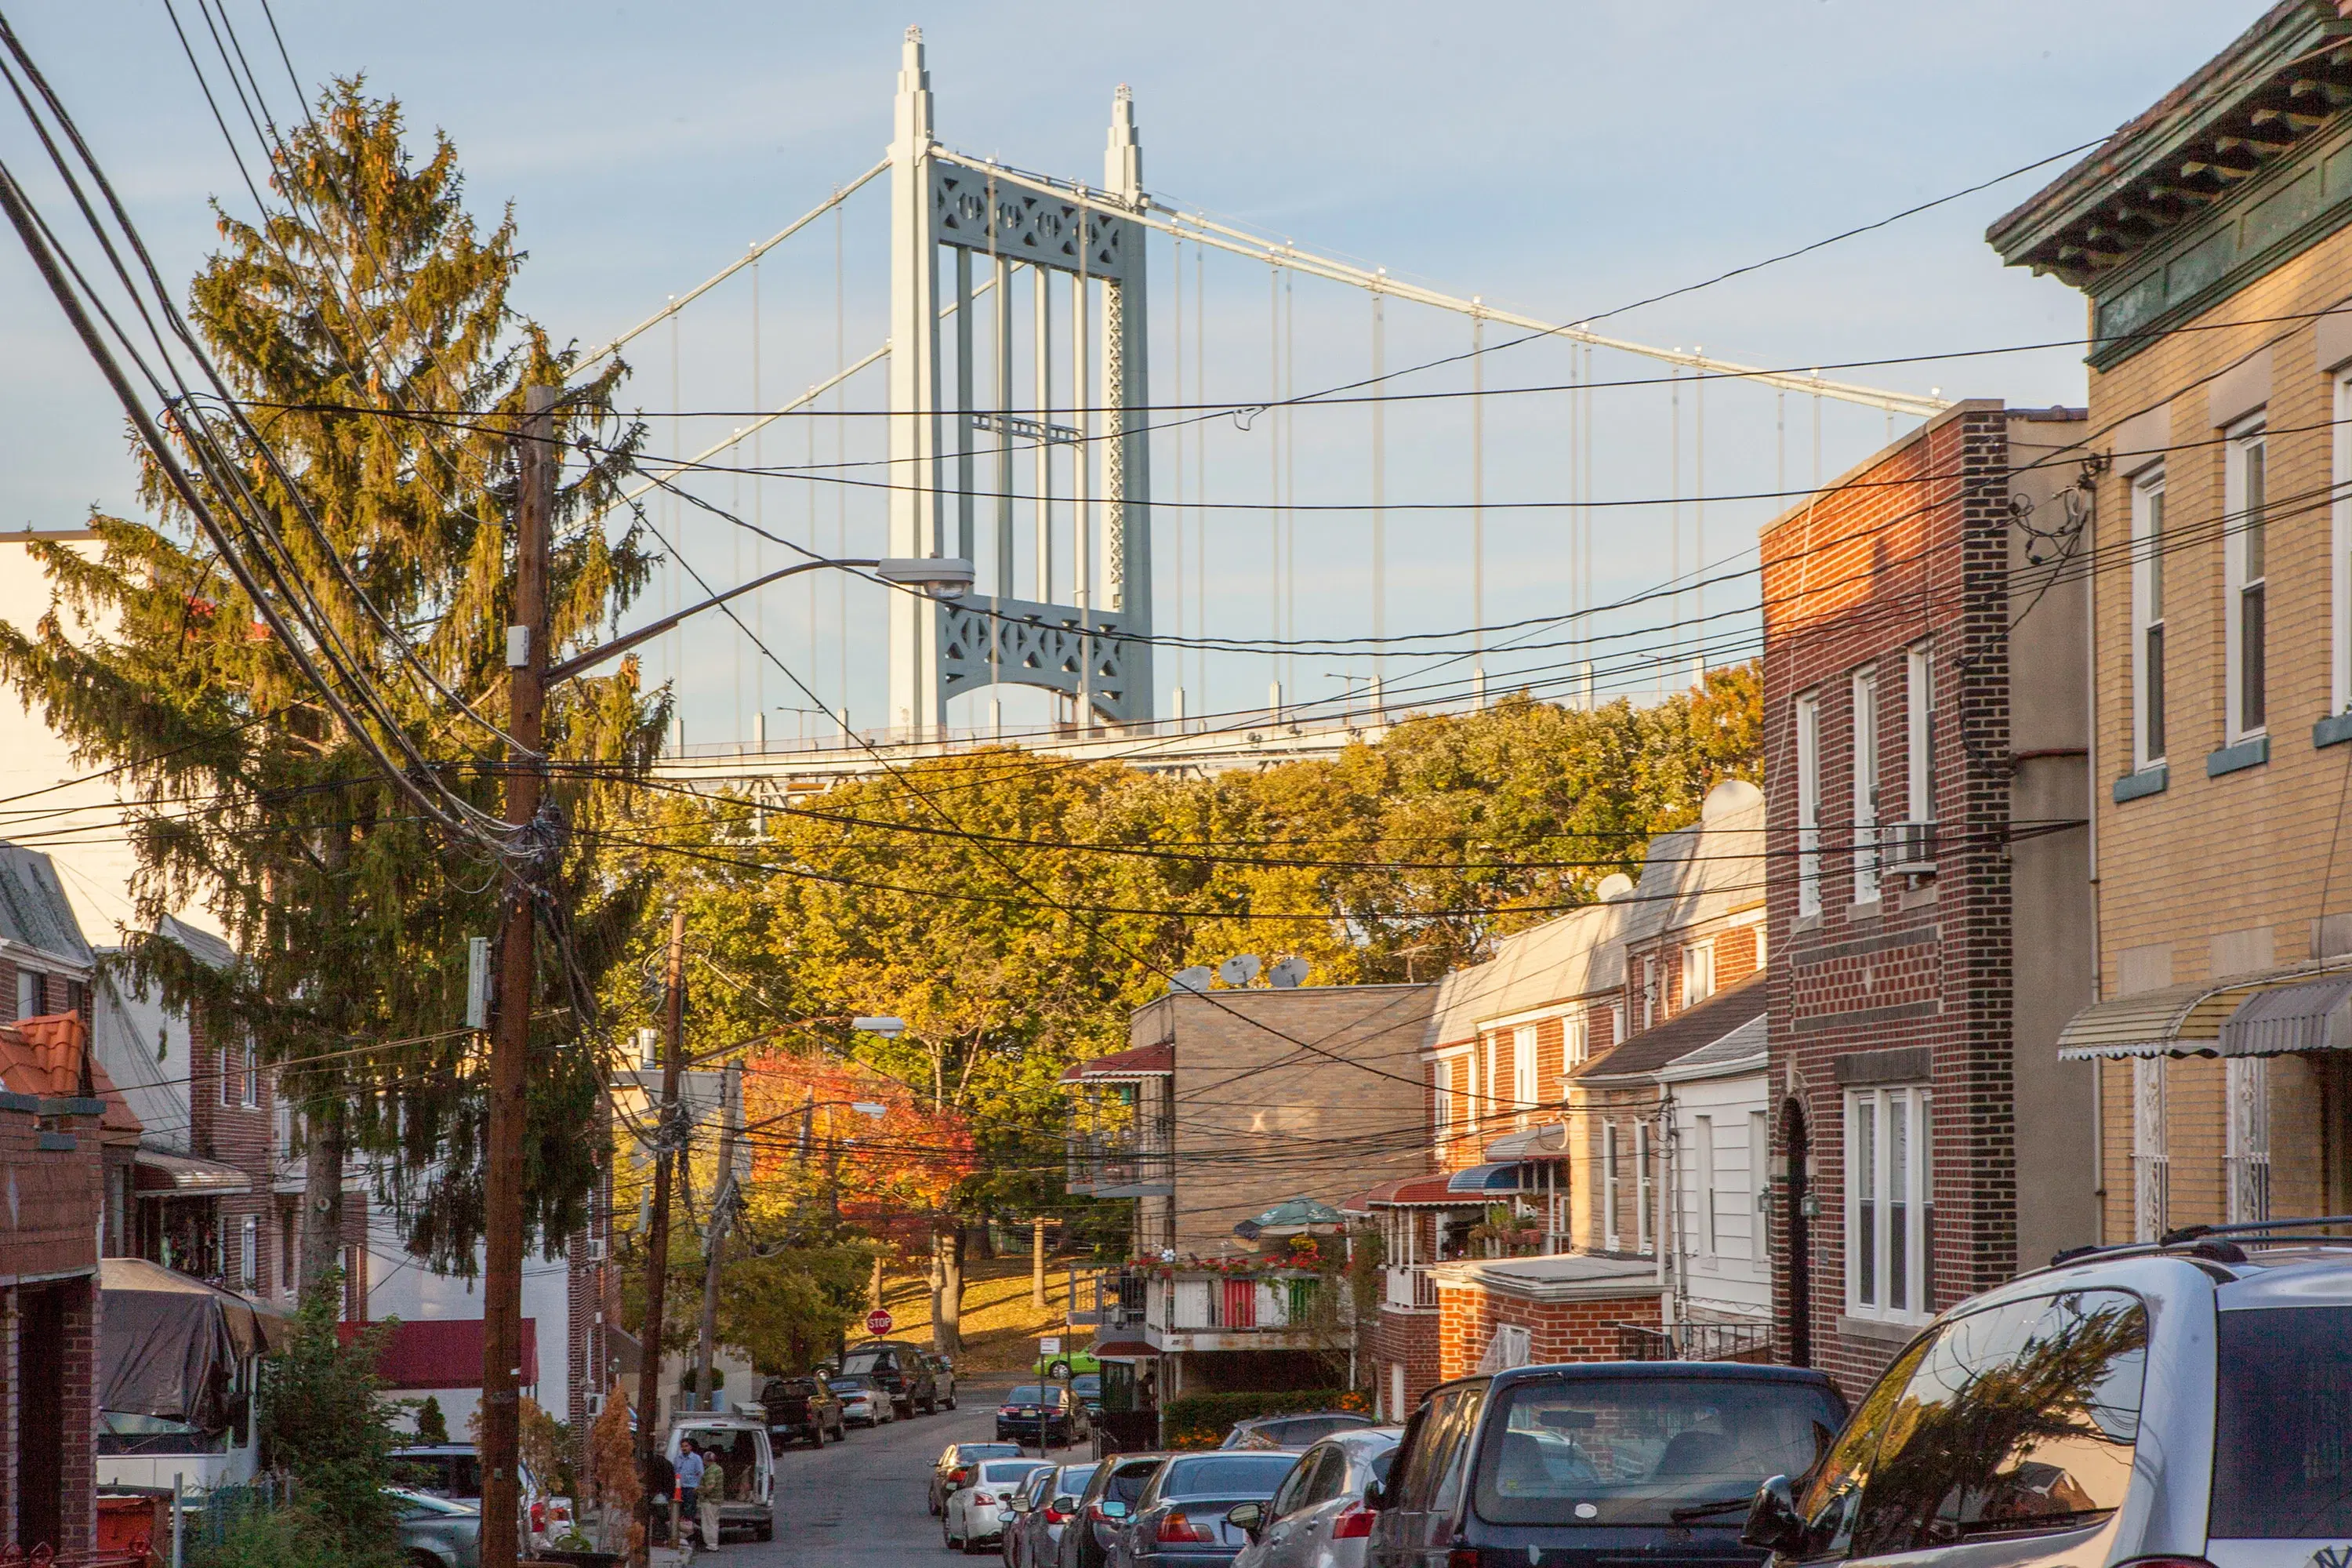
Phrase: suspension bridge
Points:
(1023, 429)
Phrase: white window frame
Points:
(1575, 1040)
(2151, 1159)
(1698, 973)
(2340, 553)
(2245, 440)
(250, 1252)
(36, 983)
(1526, 1072)
(1652, 1003)
(1864, 752)
(1882, 1171)
(1645, 1192)
(1919, 733)
(2147, 608)
(1759, 1185)
(1809, 805)
(1710, 1229)
(1441, 1088)
(1611, 1235)
(1616, 1024)
(252, 1071)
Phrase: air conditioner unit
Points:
(1909, 849)
(595, 1250)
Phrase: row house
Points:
(1929, 915)
(2208, 236)
(1236, 1121)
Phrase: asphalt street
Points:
(861, 1502)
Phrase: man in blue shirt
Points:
(689, 1488)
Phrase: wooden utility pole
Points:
(502, 1207)
(665, 1141)
(1037, 1261)
(723, 1201)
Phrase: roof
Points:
(214, 952)
(437, 1353)
(1574, 956)
(1138, 1061)
(1687, 1032)
(1566, 1276)
(44, 1057)
(1412, 1191)
(1125, 1350)
(1740, 1051)
(34, 911)
(1711, 868)
(177, 1176)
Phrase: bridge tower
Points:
(956, 444)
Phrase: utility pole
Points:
(723, 1201)
(665, 1141)
(502, 1224)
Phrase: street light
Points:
(889, 1027)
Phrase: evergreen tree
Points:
(366, 322)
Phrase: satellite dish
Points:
(1196, 978)
(1614, 886)
(1239, 971)
(1287, 974)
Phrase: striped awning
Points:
(2314, 1017)
(1501, 1176)
(2183, 1020)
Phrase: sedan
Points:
(1180, 1520)
(863, 1402)
(436, 1532)
(1032, 1536)
(972, 1518)
(1103, 1509)
(1041, 1415)
(953, 1467)
(1292, 1432)
(1319, 1517)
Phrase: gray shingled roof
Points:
(33, 906)
(201, 945)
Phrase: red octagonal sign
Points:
(878, 1322)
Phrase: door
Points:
(40, 1407)
(1801, 1246)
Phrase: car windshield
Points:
(413, 1504)
(1009, 1472)
(1226, 1475)
(1086, 1384)
(440, 1475)
(2282, 1437)
(1632, 1449)
(1126, 1483)
(1029, 1394)
(870, 1360)
(967, 1452)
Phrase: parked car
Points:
(2187, 1402)
(1179, 1520)
(1041, 1509)
(437, 1532)
(898, 1367)
(958, 1456)
(802, 1410)
(739, 1462)
(1086, 1388)
(1041, 1415)
(971, 1518)
(1104, 1509)
(1291, 1431)
(943, 1379)
(864, 1402)
(1605, 1461)
(1066, 1363)
(1318, 1517)
(453, 1471)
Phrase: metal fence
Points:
(222, 1510)
(1695, 1342)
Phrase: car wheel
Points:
(952, 1402)
(1059, 1369)
(420, 1558)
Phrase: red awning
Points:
(1411, 1192)
(1124, 1350)
(441, 1352)
(1141, 1061)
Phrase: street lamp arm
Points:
(603, 651)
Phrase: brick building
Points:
(1929, 916)
(2209, 236)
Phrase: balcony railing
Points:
(1108, 1299)
(1124, 1160)
(1219, 1304)
(1410, 1288)
(1695, 1342)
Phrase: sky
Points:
(1559, 159)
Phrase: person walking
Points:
(690, 1489)
(661, 1485)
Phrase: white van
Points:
(739, 1466)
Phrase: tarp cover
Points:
(168, 1344)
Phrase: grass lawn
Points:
(1001, 1324)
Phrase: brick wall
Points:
(1408, 1340)
(237, 1124)
(53, 1158)
(1584, 1329)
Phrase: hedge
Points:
(1202, 1420)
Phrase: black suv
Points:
(900, 1367)
(1598, 1462)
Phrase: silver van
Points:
(2181, 1402)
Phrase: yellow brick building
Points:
(2211, 236)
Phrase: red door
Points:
(1241, 1304)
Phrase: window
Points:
(2245, 490)
(2246, 1085)
(2340, 574)
(1441, 1088)
(1616, 1022)
(1645, 1192)
(1526, 1085)
(2151, 1167)
(30, 985)
(225, 1064)
(1576, 1041)
(1759, 1183)
(1436, 1451)
(1703, 1136)
(252, 1074)
(249, 1254)
(1698, 973)
(289, 1213)
(2014, 1420)
(1919, 734)
(1611, 1236)
(2147, 621)
(2282, 1424)
(1865, 787)
(1809, 805)
(1890, 1208)
(1650, 1008)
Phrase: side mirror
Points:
(1773, 1521)
(1111, 1508)
(1376, 1497)
(1249, 1517)
(1064, 1504)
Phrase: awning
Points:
(1415, 1192)
(169, 1344)
(1535, 1144)
(2183, 1020)
(1124, 1350)
(160, 1175)
(2314, 1017)
(1292, 1215)
(440, 1353)
(1498, 1176)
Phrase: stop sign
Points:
(878, 1322)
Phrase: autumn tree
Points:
(365, 320)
